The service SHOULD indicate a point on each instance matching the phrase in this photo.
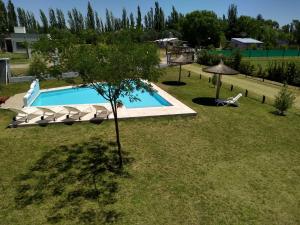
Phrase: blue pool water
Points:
(87, 95)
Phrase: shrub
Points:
(236, 59)
(284, 100)
(205, 58)
(246, 68)
(260, 72)
(38, 66)
(275, 71)
(214, 79)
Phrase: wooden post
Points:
(218, 86)
(231, 88)
(200, 77)
(209, 80)
(246, 93)
(189, 74)
(263, 99)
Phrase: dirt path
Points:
(19, 66)
(252, 85)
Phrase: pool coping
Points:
(176, 108)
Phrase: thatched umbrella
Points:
(220, 69)
(181, 60)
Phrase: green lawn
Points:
(264, 62)
(226, 165)
(15, 58)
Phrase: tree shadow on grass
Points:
(206, 101)
(174, 83)
(78, 182)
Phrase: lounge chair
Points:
(74, 111)
(101, 112)
(46, 112)
(229, 101)
(23, 115)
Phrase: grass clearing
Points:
(264, 62)
(256, 88)
(15, 58)
(224, 166)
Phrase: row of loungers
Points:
(68, 112)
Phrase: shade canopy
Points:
(221, 68)
(181, 60)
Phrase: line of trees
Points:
(199, 28)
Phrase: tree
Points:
(52, 18)
(75, 21)
(99, 24)
(11, 16)
(124, 19)
(3, 18)
(90, 18)
(201, 28)
(37, 66)
(173, 19)
(115, 71)
(232, 17)
(131, 21)
(44, 20)
(139, 18)
(296, 31)
(159, 19)
(284, 100)
(22, 17)
(109, 26)
(61, 22)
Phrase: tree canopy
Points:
(201, 28)
(116, 70)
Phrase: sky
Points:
(283, 11)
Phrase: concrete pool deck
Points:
(176, 108)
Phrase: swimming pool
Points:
(87, 95)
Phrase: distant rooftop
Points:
(247, 40)
(166, 39)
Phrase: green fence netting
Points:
(260, 53)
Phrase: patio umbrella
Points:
(181, 60)
(220, 69)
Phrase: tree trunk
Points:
(218, 86)
(179, 78)
(115, 112)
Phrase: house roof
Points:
(166, 39)
(247, 40)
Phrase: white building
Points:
(244, 43)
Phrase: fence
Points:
(21, 79)
(260, 53)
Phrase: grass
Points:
(15, 58)
(264, 62)
(225, 166)
(256, 88)
(20, 71)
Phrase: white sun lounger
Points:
(23, 115)
(46, 113)
(74, 111)
(230, 101)
(101, 112)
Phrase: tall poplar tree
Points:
(61, 22)
(52, 18)
(3, 18)
(90, 18)
(139, 18)
(45, 24)
(11, 16)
